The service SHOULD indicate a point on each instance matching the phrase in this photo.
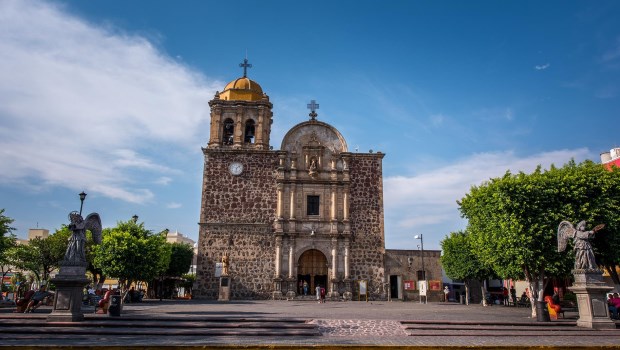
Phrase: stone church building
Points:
(306, 210)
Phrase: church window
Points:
(229, 132)
(313, 205)
(249, 131)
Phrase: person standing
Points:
(446, 293)
(305, 288)
(318, 292)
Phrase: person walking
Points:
(446, 293)
(318, 292)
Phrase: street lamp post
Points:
(134, 218)
(420, 237)
(82, 197)
(423, 282)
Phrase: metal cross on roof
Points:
(313, 106)
(245, 66)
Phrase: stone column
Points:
(239, 129)
(334, 276)
(279, 207)
(290, 260)
(292, 206)
(292, 285)
(277, 281)
(258, 133)
(345, 204)
(278, 258)
(333, 206)
(590, 289)
(348, 295)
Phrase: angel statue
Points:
(76, 251)
(584, 255)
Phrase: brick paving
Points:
(299, 324)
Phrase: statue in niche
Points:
(225, 264)
(312, 170)
(584, 255)
(75, 255)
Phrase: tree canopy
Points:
(513, 220)
(131, 253)
(180, 259)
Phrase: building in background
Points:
(611, 158)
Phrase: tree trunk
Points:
(533, 285)
(466, 293)
(611, 270)
(484, 293)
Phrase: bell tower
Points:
(241, 115)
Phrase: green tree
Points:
(131, 253)
(460, 262)
(41, 256)
(513, 220)
(180, 259)
(7, 242)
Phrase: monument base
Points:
(591, 290)
(224, 294)
(68, 299)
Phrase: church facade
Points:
(310, 211)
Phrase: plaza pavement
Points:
(285, 324)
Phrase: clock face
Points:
(235, 168)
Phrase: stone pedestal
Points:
(224, 294)
(277, 289)
(291, 294)
(69, 283)
(333, 294)
(591, 299)
(347, 295)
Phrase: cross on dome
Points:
(245, 65)
(313, 106)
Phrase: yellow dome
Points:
(242, 89)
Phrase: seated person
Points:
(37, 299)
(614, 305)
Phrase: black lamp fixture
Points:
(82, 197)
(134, 218)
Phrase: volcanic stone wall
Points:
(366, 217)
(236, 217)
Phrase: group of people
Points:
(320, 291)
(613, 302)
(37, 299)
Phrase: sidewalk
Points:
(303, 324)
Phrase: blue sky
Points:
(111, 97)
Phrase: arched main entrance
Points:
(312, 268)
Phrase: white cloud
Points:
(542, 66)
(164, 181)
(79, 104)
(426, 202)
(173, 205)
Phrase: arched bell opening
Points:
(312, 269)
(229, 132)
(250, 130)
